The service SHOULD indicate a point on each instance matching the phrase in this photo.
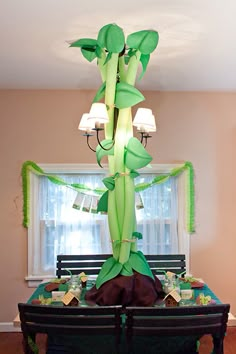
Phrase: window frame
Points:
(184, 236)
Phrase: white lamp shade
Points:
(150, 127)
(144, 120)
(85, 123)
(98, 113)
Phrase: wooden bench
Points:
(91, 264)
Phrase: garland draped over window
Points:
(30, 166)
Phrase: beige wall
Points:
(200, 127)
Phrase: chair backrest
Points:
(178, 321)
(91, 264)
(158, 263)
(59, 320)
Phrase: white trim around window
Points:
(34, 242)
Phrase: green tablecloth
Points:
(105, 344)
(40, 290)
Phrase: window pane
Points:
(66, 230)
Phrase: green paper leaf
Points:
(145, 41)
(135, 154)
(127, 95)
(98, 51)
(131, 52)
(112, 38)
(138, 235)
(109, 183)
(100, 93)
(103, 203)
(110, 269)
(88, 47)
(127, 269)
(88, 54)
(127, 59)
(139, 264)
(108, 58)
(144, 60)
(133, 174)
(100, 153)
(84, 42)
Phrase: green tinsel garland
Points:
(187, 166)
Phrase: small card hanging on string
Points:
(87, 203)
(78, 201)
(138, 201)
(94, 204)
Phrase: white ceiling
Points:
(196, 51)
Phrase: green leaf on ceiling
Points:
(84, 42)
(135, 155)
(145, 41)
(108, 57)
(100, 152)
(100, 93)
(110, 269)
(131, 52)
(103, 203)
(112, 38)
(88, 54)
(139, 264)
(144, 61)
(98, 51)
(127, 95)
(89, 48)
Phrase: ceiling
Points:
(196, 50)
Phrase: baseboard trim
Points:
(9, 327)
(231, 320)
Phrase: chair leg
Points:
(218, 343)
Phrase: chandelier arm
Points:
(99, 142)
(145, 142)
(88, 136)
(144, 138)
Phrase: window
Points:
(58, 228)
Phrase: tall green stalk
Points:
(118, 62)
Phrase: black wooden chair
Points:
(67, 322)
(91, 264)
(179, 323)
(158, 263)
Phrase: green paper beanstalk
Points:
(118, 62)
